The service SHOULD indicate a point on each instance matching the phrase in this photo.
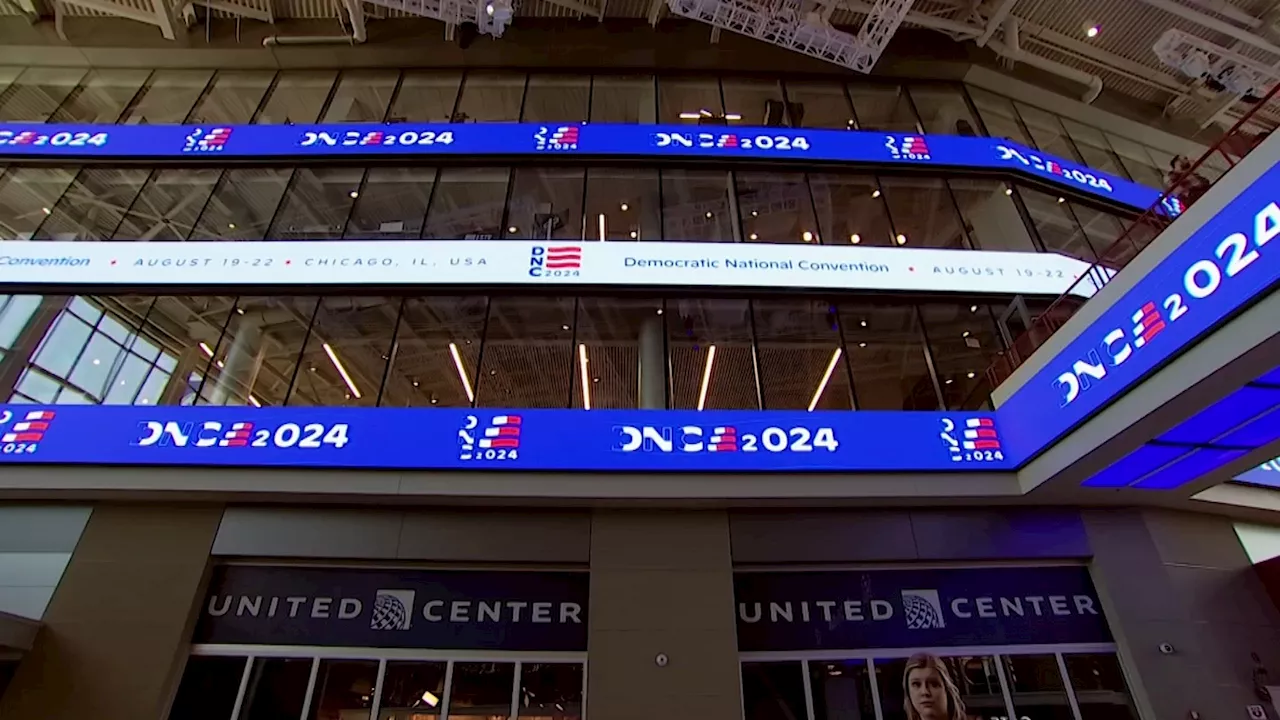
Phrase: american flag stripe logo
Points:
(980, 434)
(564, 257)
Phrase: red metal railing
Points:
(1233, 146)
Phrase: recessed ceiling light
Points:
(755, 213)
(1008, 191)
(863, 323)
(1062, 199)
(855, 238)
(513, 229)
(45, 210)
(709, 213)
(1092, 31)
(231, 226)
(973, 308)
(964, 334)
(902, 239)
(875, 193)
(634, 235)
(354, 194)
(806, 236)
(755, 236)
(948, 381)
(625, 207)
(564, 327)
(862, 344)
(971, 376)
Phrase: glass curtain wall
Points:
(508, 351)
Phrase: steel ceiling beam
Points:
(1212, 23)
(996, 19)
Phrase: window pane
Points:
(15, 312)
(233, 97)
(27, 197)
(490, 97)
(1102, 230)
(990, 216)
(850, 209)
(1035, 685)
(317, 204)
(712, 355)
(754, 102)
(167, 97)
(886, 355)
(1093, 146)
(609, 353)
(436, 352)
(468, 204)
(482, 691)
(773, 691)
(277, 687)
(426, 96)
(168, 205)
(37, 93)
(776, 208)
(1047, 132)
(362, 96)
(841, 690)
(550, 691)
(243, 205)
(819, 105)
(190, 328)
(931, 687)
(881, 107)
(297, 97)
(92, 206)
(344, 690)
(546, 203)
(208, 688)
(256, 357)
(1056, 225)
(100, 96)
(623, 99)
(801, 356)
(411, 690)
(923, 213)
(528, 353)
(1100, 687)
(628, 199)
(943, 110)
(964, 341)
(392, 204)
(695, 206)
(557, 98)
(691, 98)
(999, 116)
(1137, 162)
(346, 352)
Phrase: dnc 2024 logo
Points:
(22, 431)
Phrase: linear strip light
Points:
(586, 383)
(826, 377)
(462, 372)
(207, 350)
(342, 371)
(601, 223)
(254, 401)
(706, 377)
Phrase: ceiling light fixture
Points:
(586, 385)
(45, 210)
(754, 236)
(706, 377)
(354, 194)
(430, 698)
(855, 238)
(709, 214)
(207, 350)
(600, 224)
(254, 401)
(806, 236)
(634, 234)
(826, 377)
(973, 308)
(902, 239)
(863, 323)
(462, 372)
(733, 116)
(624, 207)
(1092, 31)
(346, 378)
(875, 193)
(1062, 199)
(971, 376)
(1008, 191)
(513, 230)
(689, 116)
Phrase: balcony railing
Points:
(1186, 186)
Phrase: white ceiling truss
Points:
(1046, 34)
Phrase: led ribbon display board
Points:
(134, 142)
(1226, 264)
(448, 439)
(517, 262)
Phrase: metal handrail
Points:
(1116, 256)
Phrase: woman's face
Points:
(928, 696)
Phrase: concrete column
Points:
(662, 584)
(653, 364)
(241, 366)
(118, 628)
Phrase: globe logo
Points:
(392, 610)
(923, 610)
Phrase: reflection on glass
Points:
(841, 690)
(91, 208)
(277, 688)
(208, 688)
(16, 312)
(927, 687)
(999, 116)
(628, 200)
(426, 96)
(623, 99)
(964, 341)
(882, 107)
(1098, 682)
(167, 98)
(1093, 146)
(344, 690)
(819, 105)
(362, 96)
(943, 110)
(1056, 225)
(695, 206)
(482, 691)
(611, 346)
(775, 208)
(27, 197)
(1047, 132)
(296, 97)
(1137, 162)
(887, 358)
(690, 100)
(243, 204)
(1035, 685)
(528, 353)
(412, 690)
(545, 203)
(1101, 231)
(37, 93)
(923, 213)
(773, 691)
(204, 319)
(436, 352)
(990, 215)
(168, 205)
(556, 98)
(100, 96)
(233, 96)
(490, 97)
(801, 356)
(754, 102)
(392, 204)
(850, 210)
(468, 204)
(255, 358)
(550, 691)
(317, 204)
(713, 363)
(346, 352)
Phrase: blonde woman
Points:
(928, 693)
